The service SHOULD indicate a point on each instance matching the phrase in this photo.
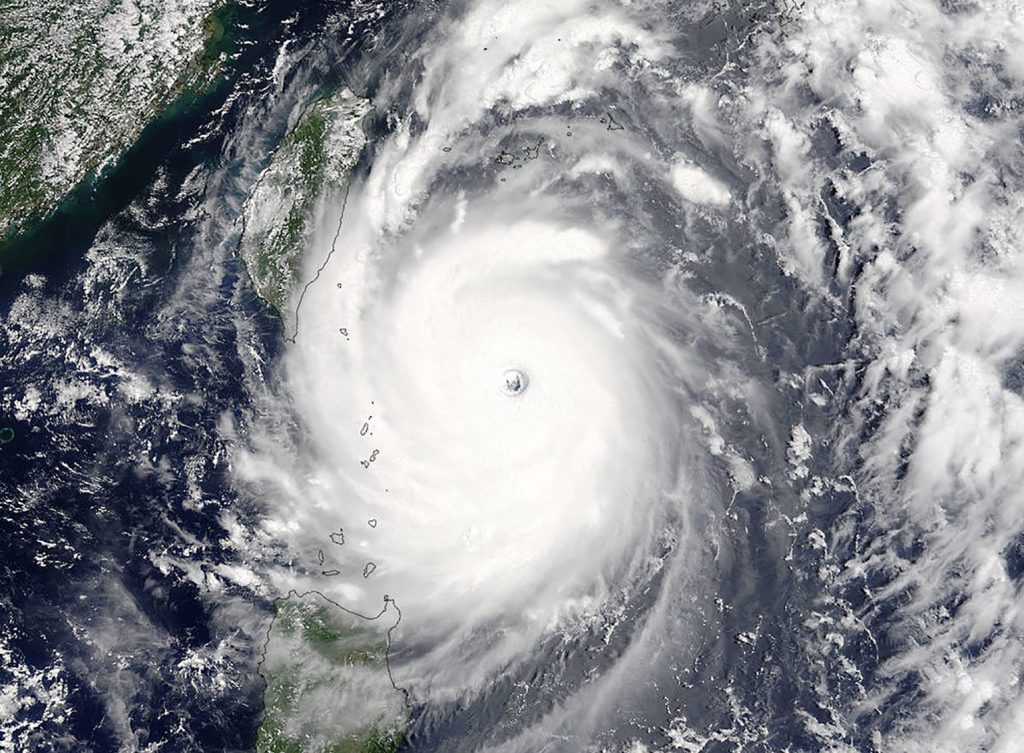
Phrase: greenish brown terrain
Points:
(328, 687)
(311, 166)
(78, 83)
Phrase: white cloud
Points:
(696, 185)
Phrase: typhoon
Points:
(591, 376)
(496, 364)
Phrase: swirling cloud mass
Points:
(665, 366)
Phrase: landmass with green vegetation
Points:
(328, 685)
(311, 166)
(79, 82)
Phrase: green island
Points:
(308, 171)
(79, 82)
(328, 689)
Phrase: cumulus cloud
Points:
(939, 265)
(697, 186)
